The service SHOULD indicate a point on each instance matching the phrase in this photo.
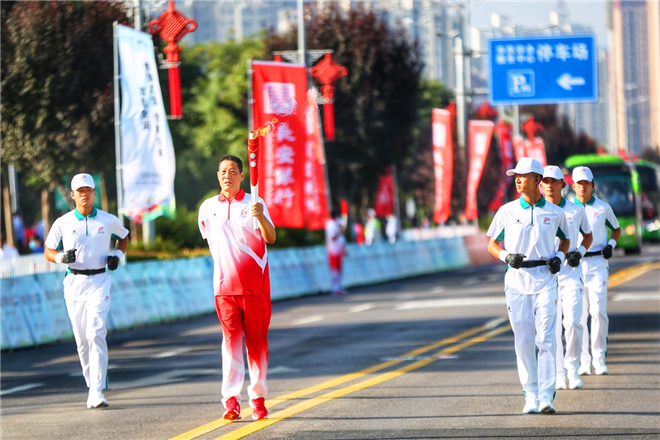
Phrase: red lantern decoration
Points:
(171, 27)
(530, 127)
(327, 71)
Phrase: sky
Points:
(526, 13)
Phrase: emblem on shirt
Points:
(569, 219)
(546, 221)
(73, 232)
(596, 214)
(245, 213)
(101, 230)
(518, 221)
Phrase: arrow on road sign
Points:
(566, 81)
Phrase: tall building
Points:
(635, 86)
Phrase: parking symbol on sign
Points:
(520, 82)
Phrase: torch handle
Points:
(253, 156)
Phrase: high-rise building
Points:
(635, 86)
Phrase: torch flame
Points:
(262, 131)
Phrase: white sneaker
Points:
(600, 368)
(585, 369)
(531, 406)
(96, 399)
(546, 407)
(574, 381)
(561, 382)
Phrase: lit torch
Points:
(253, 160)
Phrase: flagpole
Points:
(120, 188)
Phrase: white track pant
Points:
(569, 314)
(88, 319)
(596, 278)
(533, 319)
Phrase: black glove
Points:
(573, 258)
(514, 260)
(112, 261)
(69, 256)
(607, 252)
(554, 264)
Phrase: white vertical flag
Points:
(147, 158)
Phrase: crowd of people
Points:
(27, 240)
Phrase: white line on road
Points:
(21, 388)
(282, 369)
(453, 302)
(361, 308)
(438, 290)
(308, 320)
(171, 353)
(638, 296)
(470, 282)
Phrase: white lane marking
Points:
(21, 388)
(438, 290)
(163, 378)
(171, 353)
(361, 308)
(308, 320)
(494, 323)
(282, 369)
(638, 296)
(453, 302)
(470, 282)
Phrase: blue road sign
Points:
(543, 70)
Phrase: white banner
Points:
(147, 158)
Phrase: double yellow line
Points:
(625, 275)
(492, 329)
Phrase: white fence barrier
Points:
(33, 310)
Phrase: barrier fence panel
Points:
(36, 313)
(15, 330)
(50, 284)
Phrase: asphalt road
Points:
(427, 357)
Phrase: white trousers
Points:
(569, 315)
(533, 319)
(596, 279)
(88, 319)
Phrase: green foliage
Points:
(57, 97)
(375, 106)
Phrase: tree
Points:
(375, 105)
(57, 96)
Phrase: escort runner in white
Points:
(571, 287)
(528, 228)
(241, 285)
(84, 236)
(595, 270)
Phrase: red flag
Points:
(536, 150)
(518, 148)
(481, 133)
(443, 164)
(504, 135)
(384, 205)
(316, 193)
(280, 91)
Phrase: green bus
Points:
(617, 183)
(649, 179)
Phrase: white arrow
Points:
(566, 81)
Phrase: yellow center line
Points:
(384, 377)
(247, 412)
(623, 276)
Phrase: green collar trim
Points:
(562, 202)
(591, 201)
(79, 216)
(525, 204)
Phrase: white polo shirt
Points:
(576, 219)
(91, 236)
(240, 258)
(600, 216)
(334, 246)
(529, 230)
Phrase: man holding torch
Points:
(237, 227)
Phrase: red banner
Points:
(480, 133)
(384, 205)
(443, 164)
(316, 193)
(536, 150)
(280, 91)
(503, 130)
(518, 148)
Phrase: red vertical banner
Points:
(480, 133)
(384, 205)
(316, 192)
(279, 91)
(536, 150)
(503, 131)
(518, 148)
(443, 163)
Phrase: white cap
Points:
(582, 173)
(526, 165)
(82, 180)
(553, 172)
